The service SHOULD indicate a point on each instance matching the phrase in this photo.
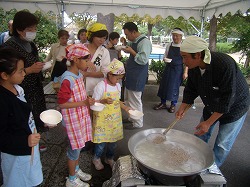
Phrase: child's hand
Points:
(33, 139)
(91, 101)
(128, 108)
(109, 100)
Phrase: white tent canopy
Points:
(164, 8)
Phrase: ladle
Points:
(159, 138)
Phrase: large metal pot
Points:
(179, 137)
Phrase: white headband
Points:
(194, 44)
(177, 31)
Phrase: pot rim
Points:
(160, 130)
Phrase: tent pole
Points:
(202, 21)
(62, 11)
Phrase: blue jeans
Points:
(163, 101)
(225, 138)
(73, 154)
(99, 149)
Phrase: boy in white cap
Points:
(216, 78)
(107, 124)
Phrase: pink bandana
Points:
(76, 50)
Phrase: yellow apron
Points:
(107, 124)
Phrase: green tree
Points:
(188, 26)
(237, 26)
(123, 18)
(46, 29)
(5, 16)
(82, 20)
(150, 22)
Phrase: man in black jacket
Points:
(216, 78)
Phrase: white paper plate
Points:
(135, 114)
(97, 107)
(47, 65)
(51, 117)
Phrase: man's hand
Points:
(129, 50)
(202, 128)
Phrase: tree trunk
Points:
(246, 65)
(150, 27)
(212, 35)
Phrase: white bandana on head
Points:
(194, 44)
(177, 31)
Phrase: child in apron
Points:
(19, 142)
(74, 104)
(107, 124)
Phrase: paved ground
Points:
(236, 169)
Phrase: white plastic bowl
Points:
(135, 114)
(47, 65)
(97, 107)
(168, 60)
(51, 117)
(119, 47)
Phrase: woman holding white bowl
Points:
(173, 74)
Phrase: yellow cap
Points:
(94, 28)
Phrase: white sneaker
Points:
(83, 176)
(76, 183)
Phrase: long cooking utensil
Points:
(32, 151)
(159, 138)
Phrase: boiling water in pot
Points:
(171, 157)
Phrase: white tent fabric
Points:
(164, 8)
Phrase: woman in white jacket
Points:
(97, 34)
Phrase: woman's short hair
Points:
(100, 34)
(22, 20)
(114, 35)
(62, 33)
(80, 32)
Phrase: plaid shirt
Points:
(222, 88)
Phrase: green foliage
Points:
(186, 25)
(82, 20)
(46, 28)
(5, 16)
(244, 43)
(237, 26)
(224, 48)
(158, 68)
(245, 71)
(124, 59)
(46, 31)
(42, 57)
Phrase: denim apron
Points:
(172, 76)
